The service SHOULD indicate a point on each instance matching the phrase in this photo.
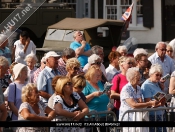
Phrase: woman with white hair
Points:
(122, 50)
(131, 95)
(149, 88)
(31, 60)
(14, 96)
(140, 51)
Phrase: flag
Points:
(126, 17)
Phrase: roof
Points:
(84, 23)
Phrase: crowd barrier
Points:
(167, 115)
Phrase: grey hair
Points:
(3, 61)
(93, 58)
(75, 33)
(95, 49)
(158, 44)
(31, 56)
(155, 68)
(121, 48)
(140, 51)
(3, 38)
(43, 59)
(67, 51)
(130, 74)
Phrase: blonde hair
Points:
(91, 71)
(79, 80)
(169, 46)
(71, 63)
(26, 91)
(3, 61)
(123, 59)
(60, 85)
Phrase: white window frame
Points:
(132, 26)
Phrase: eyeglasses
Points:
(163, 49)
(76, 69)
(97, 63)
(169, 51)
(69, 83)
(80, 87)
(130, 63)
(158, 75)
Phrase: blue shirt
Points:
(45, 80)
(149, 89)
(97, 103)
(82, 58)
(167, 66)
(6, 53)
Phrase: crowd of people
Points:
(66, 87)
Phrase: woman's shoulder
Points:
(57, 99)
(24, 105)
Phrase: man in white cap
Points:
(45, 77)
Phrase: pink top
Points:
(122, 82)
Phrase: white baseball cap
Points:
(51, 54)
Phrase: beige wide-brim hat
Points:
(17, 69)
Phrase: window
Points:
(113, 9)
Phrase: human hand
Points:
(96, 94)
(78, 116)
(27, 41)
(83, 42)
(154, 103)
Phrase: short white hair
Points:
(130, 74)
(159, 43)
(93, 58)
(121, 48)
(155, 68)
(31, 56)
(3, 38)
(140, 51)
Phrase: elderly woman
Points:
(149, 88)
(119, 81)
(31, 60)
(72, 67)
(14, 96)
(122, 50)
(32, 109)
(68, 104)
(169, 51)
(79, 82)
(131, 95)
(113, 67)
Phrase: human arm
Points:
(13, 108)
(13, 53)
(114, 88)
(26, 44)
(51, 113)
(162, 103)
(44, 94)
(172, 85)
(92, 95)
(3, 112)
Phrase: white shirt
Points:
(30, 74)
(167, 66)
(19, 52)
(102, 67)
(110, 72)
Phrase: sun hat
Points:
(17, 69)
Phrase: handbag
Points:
(9, 117)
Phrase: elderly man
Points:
(4, 50)
(47, 74)
(164, 60)
(82, 49)
(66, 54)
(23, 47)
(122, 50)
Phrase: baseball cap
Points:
(51, 54)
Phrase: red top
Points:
(122, 82)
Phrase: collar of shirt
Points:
(61, 62)
(157, 56)
(131, 87)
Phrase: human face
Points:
(143, 62)
(23, 40)
(30, 63)
(24, 73)
(78, 89)
(96, 76)
(34, 96)
(169, 52)
(123, 52)
(68, 89)
(136, 79)
(74, 71)
(115, 61)
(161, 50)
(53, 62)
(156, 77)
(127, 64)
(79, 37)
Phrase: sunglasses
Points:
(80, 87)
(69, 83)
(129, 63)
(169, 51)
(163, 49)
(97, 63)
(76, 69)
(158, 75)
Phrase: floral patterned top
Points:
(128, 92)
